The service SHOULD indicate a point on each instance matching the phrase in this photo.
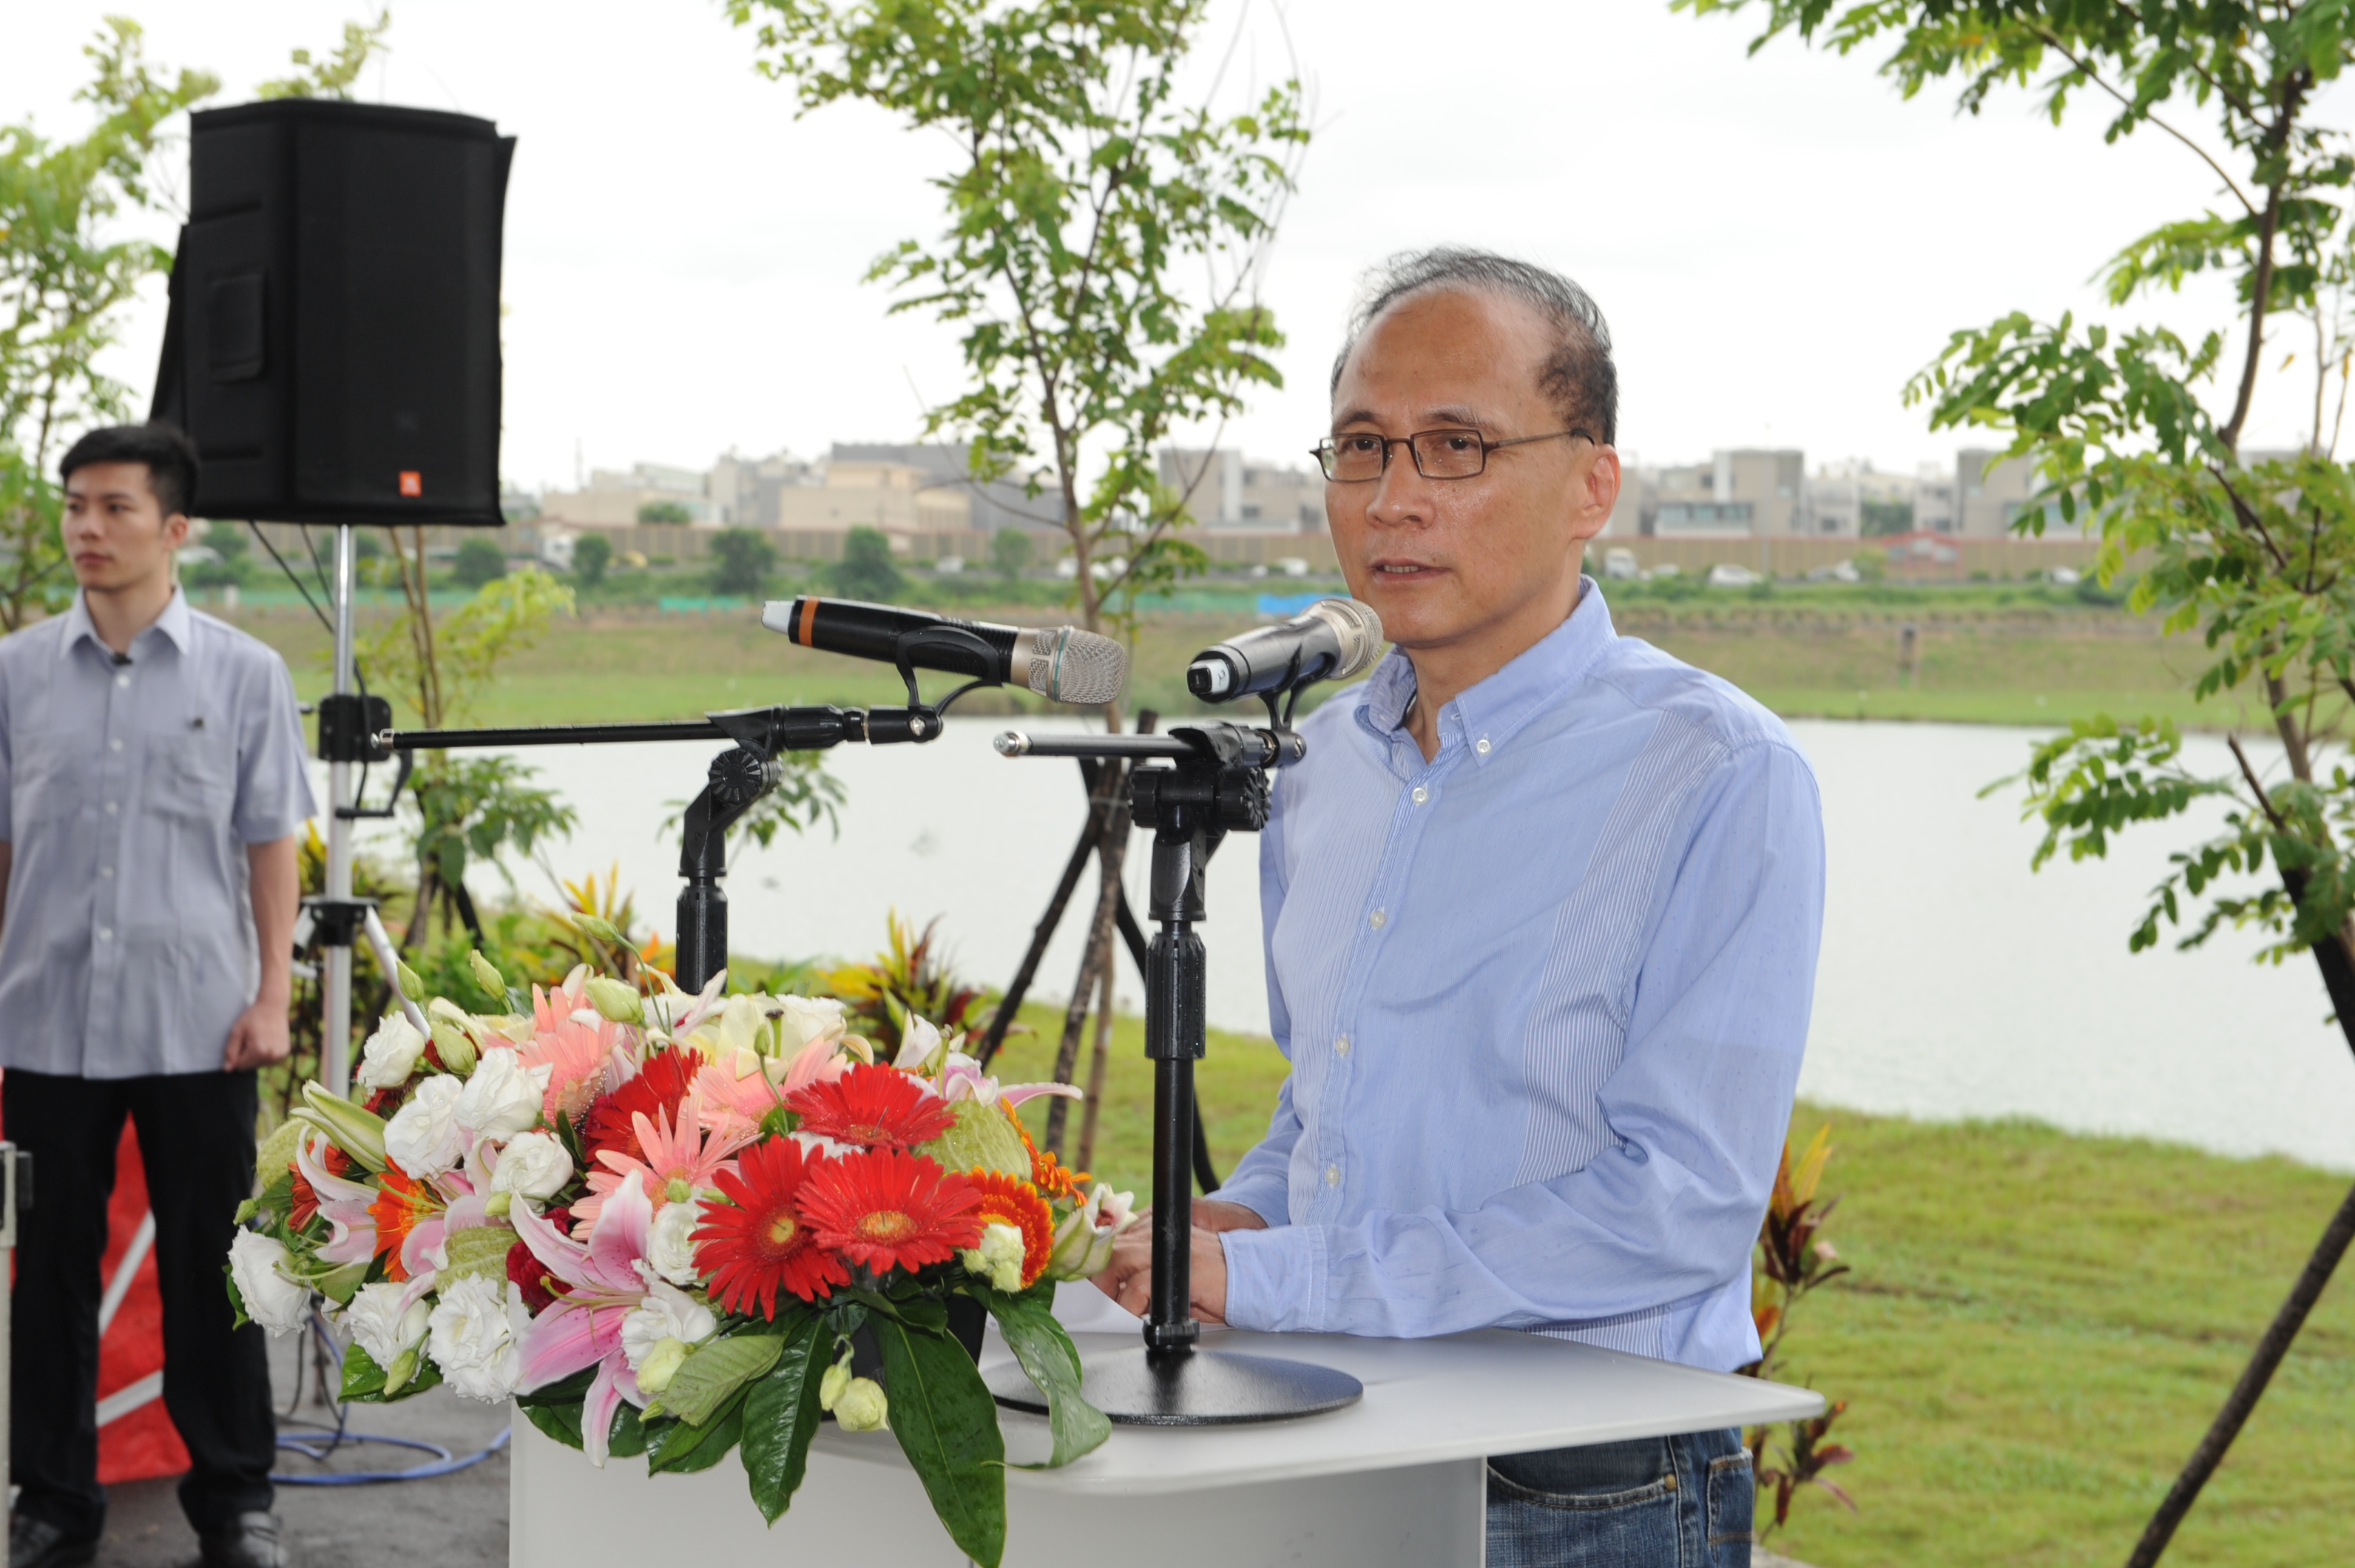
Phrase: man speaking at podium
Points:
(150, 784)
(1542, 908)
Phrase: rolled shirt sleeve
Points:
(273, 781)
(1716, 1021)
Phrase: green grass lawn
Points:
(2038, 1330)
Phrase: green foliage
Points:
(911, 975)
(333, 76)
(480, 560)
(1881, 519)
(230, 543)
(742, 561)
(665, 512)
(592, 553)
(1010, 551)
(1052, 1362)
(866, 569)
(947, 1427)
(1082, 185)
(63, 283)
(781, 1416)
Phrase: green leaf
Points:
(689, 1446)
(629, 1434)
(1052, 1362)
(714, 1371)
(560, 1422)
(781, 1416)
(362, 1377)
(947, 1426)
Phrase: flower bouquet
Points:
(656, 1222)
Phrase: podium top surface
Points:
(1427, 1401)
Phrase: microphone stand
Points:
(1215, 783)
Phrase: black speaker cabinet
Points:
(333, 345)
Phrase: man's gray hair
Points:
(1577, 375)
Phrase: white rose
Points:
(474, 1337)
(801, 1020)
(532, 1165)
(423, 1137)
(258, 1264)
(391, 1053)
(670, 1246)
(998, 1259)
(665, 1314)
(382, 1326)
(502, 1096)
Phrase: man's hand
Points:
(259, 1036)
(1128, 1279)
(1211, 1215)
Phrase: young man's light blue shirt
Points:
(130, 789)
(1544, 999)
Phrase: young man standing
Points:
(152, 782)
(1542, 908)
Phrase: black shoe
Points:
(37, 1543)
(252, 1543)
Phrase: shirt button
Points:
(114, 745)
(1341, 1046)
(109, 808)
(106, 871)
(1332, 1176)
(1377, 920)
(106, 933)
(123, 680)
(1481, 745)
(1421, 793)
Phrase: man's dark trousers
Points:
(195, 1137)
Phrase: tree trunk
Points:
(1086, 1159)
(1112, 851)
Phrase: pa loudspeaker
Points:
(333, 346)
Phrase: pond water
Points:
(1952, 981)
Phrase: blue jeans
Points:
(1653, 1502)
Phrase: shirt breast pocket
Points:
(190, 778)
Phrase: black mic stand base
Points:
(1190, 1388)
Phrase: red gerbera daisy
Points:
(763, 1242)
(887, 1208)
(872, 1106)
(661, 1083)
(305, 1204)
(1009, 1200)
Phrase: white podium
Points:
(1397, 1478)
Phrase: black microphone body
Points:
(1333, 639)
(1061, 663)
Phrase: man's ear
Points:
(175, 530)
(1595, 492)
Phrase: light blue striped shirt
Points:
(1544, 999)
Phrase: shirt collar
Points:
(177, 622)
(1498, 709)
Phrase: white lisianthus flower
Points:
(382, 1326)
(662, 1364)
(862, 1407)
(423, 1137)
(258, 1264)
(670, 1244)
(666, 1314)
(502, 1098)
(391, 1053)
(998, 1259)
(532, 1165)
(615, 999)
(801, 1020)
(474, 1336)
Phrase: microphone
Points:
(1061, 663)
(1333, 639)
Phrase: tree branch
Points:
(2084, 69)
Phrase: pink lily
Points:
(605, 1281)
(345, 1204)
(962, 1079)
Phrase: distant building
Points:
(614, 497)
(1740, 492)
(746, 491)
(943, 471)
(1935, 492)
(1849, 498)
(1992, 491)
(1226, 490)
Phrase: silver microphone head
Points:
(1064, 664)
(1358, 631)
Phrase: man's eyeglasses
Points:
(1361, 455)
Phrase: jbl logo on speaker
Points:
(412, 483)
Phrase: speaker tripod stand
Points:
(1215, 781)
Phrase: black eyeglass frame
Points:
(1324, 451)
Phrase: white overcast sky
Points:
(1778, 241)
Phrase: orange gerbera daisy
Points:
(1009, 1200)
(1046, 1172)
(887, 1208)
(763, 1243)
(873, 1106)
(397, 1202)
